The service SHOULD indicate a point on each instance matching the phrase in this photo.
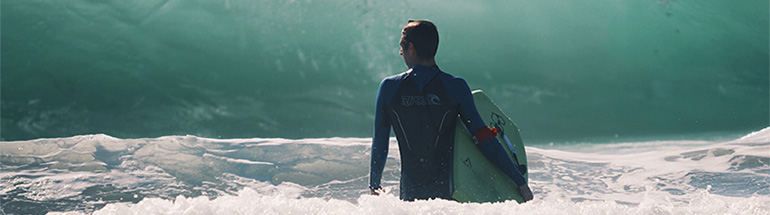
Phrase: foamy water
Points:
(190, 175)
(285, 199)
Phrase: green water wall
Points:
(562, 70)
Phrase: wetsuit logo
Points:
(430, 99)
(433, 99)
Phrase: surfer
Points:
(421, 105)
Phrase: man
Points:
(422, 105)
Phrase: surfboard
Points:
(475, 178)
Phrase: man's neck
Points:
(426, 63)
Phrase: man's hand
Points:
(526, 193)
(375, 192)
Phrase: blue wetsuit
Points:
(422, 105)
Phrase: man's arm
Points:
(381, 138)
(490, 147)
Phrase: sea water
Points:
(310, 69)
(267, 106)
(100, 174)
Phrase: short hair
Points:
(424, 35)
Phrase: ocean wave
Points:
(103, 174)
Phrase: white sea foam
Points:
(286, 199)
(761, 136)
(192, 175)
(233, 160)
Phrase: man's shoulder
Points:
(394, 79)
(452, 79)
(389, 85)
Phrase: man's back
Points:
(422, 105)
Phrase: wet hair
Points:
(423, 35)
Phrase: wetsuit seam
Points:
(440, 126)
(406, 138)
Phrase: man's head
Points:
(419, 43)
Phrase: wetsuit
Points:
(422, 105)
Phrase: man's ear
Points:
(411, 47)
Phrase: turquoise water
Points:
(304, 69)
(266, 107)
